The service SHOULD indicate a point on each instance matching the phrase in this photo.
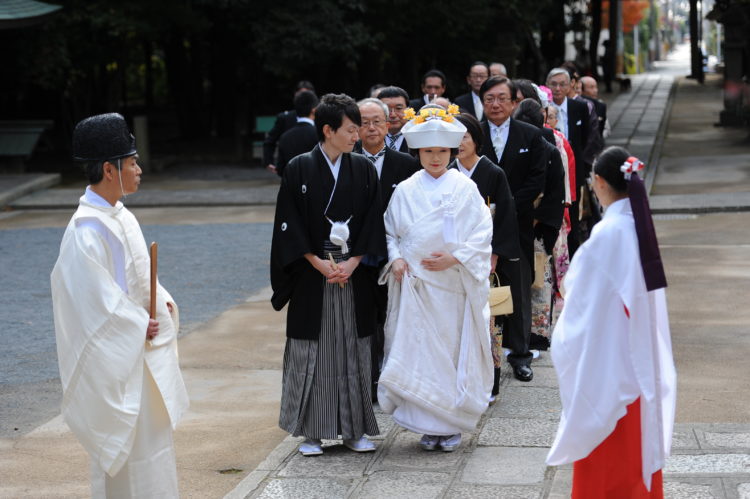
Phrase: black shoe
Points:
(523, 373)
(496, 382)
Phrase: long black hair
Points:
(608, 164)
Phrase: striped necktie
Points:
(376, 157)
(392, 139)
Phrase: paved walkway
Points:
(234, 378)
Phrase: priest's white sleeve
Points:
(101, 335)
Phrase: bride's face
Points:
(435, 160)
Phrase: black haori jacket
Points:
(300, 227)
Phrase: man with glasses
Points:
(518, 148)
(392, 167)
(470, 102)
(397, 101)
(573, 122)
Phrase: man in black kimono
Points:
(392, 167)
(518, 148)
(328, 217)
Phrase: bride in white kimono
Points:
(437, 374)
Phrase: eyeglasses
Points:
(375, 123)
(500, 99)
(558, 84)
(475, 76)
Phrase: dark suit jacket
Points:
(284, 121)
(524, 162)
(466, 104)
(397, 167)
(417, 103)
(601, 111)
(578, 136)
(299, 139)
(493, 187)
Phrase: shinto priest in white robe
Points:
(122, 395)
(611, 345)
(438, 369)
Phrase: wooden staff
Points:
(335, 266)
(153, 251)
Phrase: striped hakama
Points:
(326, 388)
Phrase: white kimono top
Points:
(100, 297)
(606, 358)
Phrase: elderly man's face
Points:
(433, 86)
(497, 69)
(396, 108)
(560, 86)
(589, 87)
(374, 127)
(477, 75)
(498, 103)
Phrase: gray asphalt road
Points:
(207, 268)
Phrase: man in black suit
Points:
(284, 121)
(590, 92)
(397, 101)
(573, 122)
(392, 167)
(518, 148)
(470, 102)
(302, 137)
(433, 86)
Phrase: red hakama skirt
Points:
(613, 469)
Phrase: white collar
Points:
(619, 207)
(432, 181)
(564, 106)
(306, 120)
(466, 171)
(504, 125)
(333, 166)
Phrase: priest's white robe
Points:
(606, 358)
(122, 395)
(437, 373)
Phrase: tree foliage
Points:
(213, 64)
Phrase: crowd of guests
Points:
(346, 235)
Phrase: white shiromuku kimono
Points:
(438, 370)
(611, 346)
(122, 396)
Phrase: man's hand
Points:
(152, 330)
(272, 168)
(399, 267)
(322, 266)
(440, 260)
(494, 263)
(345, 270)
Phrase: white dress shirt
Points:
(478, 106)
(499, 136)
(562, 117)
(306, 120)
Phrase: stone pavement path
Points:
(502, 458)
